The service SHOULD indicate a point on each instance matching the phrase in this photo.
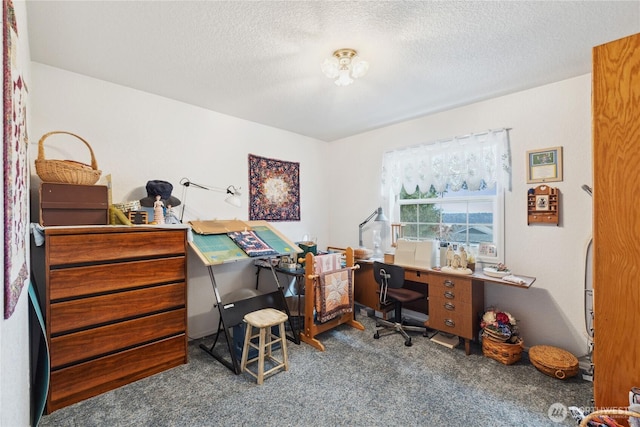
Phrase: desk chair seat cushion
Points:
(403, 295)
(334, 294)
(394, 282)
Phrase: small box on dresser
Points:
(73, 204)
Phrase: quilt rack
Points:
(312, 325)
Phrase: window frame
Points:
(497, 201)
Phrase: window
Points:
(457, 191)
(463, 217)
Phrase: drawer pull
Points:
(449, 306)
(450, 323)
(449, 295)
(449, 283)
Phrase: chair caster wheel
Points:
(376, 336)
(408, 343)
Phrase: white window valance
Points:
(474, 161)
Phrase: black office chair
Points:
(390, 278)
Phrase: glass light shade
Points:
(344, 66)
(344, 79)
(330, 67)
(359, 67)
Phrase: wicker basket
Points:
(66, 171)
(618, 413)
(503, 352)
(553, 361)
(362, 253)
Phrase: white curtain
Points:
(472, 159)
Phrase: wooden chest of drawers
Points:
(115, 304)
(455, 302)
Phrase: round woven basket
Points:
(362, 253)
(503, 352)
(554, 361)
(66, 171)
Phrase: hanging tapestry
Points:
(274, 189)
(15, 169)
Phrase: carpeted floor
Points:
(357, 381)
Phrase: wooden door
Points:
(616, 220)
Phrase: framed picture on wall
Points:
(488, 250)
(544, 165)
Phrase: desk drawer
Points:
(451, 317)
(416, 276)
(451, 288)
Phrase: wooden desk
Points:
(455, 301)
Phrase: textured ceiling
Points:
(260, 60)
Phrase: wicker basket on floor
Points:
(66, 171)
(503, 352)
(618, 413)
(554, 361)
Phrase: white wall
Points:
(139, 137)
(551, 311)
(14, 332)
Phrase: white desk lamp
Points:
(233, 192)
(379, 217)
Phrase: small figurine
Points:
(450, 255)
(170, 217)
(463, 257)
(158, 211)
(456, 261)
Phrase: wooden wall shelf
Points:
(543, 205)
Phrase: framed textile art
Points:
(16, 193)
(274, 189)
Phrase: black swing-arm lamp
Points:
(233, 192)
(379, 217)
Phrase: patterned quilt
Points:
(251, 243)
(334, 294)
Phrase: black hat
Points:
(162, 189)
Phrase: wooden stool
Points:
(264, 320)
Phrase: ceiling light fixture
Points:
(344, 66)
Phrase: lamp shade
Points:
(344, 66)
(379, 217)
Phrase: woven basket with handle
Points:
(608, 412)
(503, 352)
(66, 171)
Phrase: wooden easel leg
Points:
(312, 342)
(354, 323)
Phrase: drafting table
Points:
(216, 248)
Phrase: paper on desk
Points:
(405, 252)
(514, 279)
